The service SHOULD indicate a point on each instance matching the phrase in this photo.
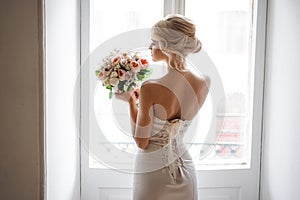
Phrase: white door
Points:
(232, 34)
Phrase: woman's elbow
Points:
(142, 146)
(142, 143)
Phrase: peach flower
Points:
(115, 60)
(143, 63)
(101, 75)
(134, 65)
(121, 74)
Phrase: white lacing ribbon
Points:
(172, 159)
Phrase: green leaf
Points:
(140, 77)
(121, 85)
(147, 70)
(97, 72)
(109, 87)
(130, 86)
(110, 94)
(142, 72)
(147, 76)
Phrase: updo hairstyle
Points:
(176, 38)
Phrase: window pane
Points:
(225, 31)
(108, 19)
(224, 27)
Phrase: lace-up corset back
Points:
(165, 169)
(163, 131)
(169, 136)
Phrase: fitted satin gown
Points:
(165, 170)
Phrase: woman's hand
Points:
(129, 96)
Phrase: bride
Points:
(164, 168)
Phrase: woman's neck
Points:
(172, 69)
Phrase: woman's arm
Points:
(133, 112)
(141, 118)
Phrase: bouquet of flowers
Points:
(121, 71)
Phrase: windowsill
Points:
(204, 166)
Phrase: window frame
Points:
(257, 60)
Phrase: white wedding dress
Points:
(165, 170)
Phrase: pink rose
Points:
(127, 76)
(107, 71)
(115, 60)
(134, 65)
(101, 75)
(131, 75)
(121, 74)
(143, 63)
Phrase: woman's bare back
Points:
(178, 95)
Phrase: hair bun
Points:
(176, 38)
(189, 45)
(198, 46)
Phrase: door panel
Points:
(222, 175)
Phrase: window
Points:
(233, 36)
(117, 16)
(225, 29)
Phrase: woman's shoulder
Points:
(150, 82)
(199, 79)
(204, 79)
(151, 86)
(196, 80)
(149, 89)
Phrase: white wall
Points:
(281, 158)
(62, 64)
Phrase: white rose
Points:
(114, 81)
(127, 67)
(114, 74)
(106, 82)
(123, 61)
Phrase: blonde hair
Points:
(176, 38)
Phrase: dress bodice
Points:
(169, 136)
(165, 169)
(164, 131)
